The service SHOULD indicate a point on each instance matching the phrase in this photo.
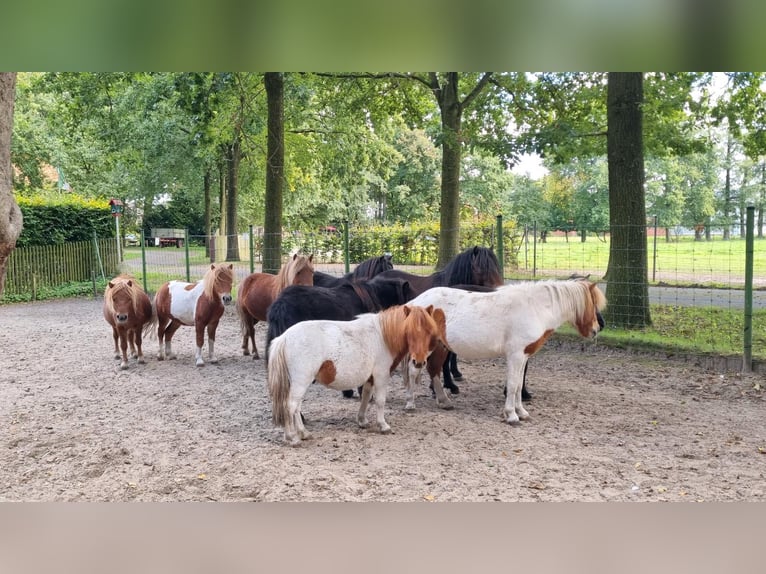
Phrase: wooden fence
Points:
(36, 267)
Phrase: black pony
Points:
(476, 266)
(342, 303)
(366, 270)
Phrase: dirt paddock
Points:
(606, 425)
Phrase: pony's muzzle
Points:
(226, 299)
(418, 364)
(122, 317)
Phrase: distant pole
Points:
(534, 250)
(500, 257)
(747, 366)
(252, 251)
(345, 246)
(654, 255)
(186, 245)
(119, 241)
(143, 258)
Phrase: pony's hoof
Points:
(363, 424)
(141, 360)
(200, 363)
(457, 378)
(123, 366)
(385, 430)
(409, 407)
(172, 357)
(118, 357)
(445, 406)
(245, 352)
(348, 394)
(453, 389)
(213, 360)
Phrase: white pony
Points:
(346, 354)
(513, 322)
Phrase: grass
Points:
(681, 262)
(689, 330)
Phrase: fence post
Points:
(143, 258)
(252, 250)
(747, 366)
(534, 250)
(186, 246)
(654, 254)
(98, 256)
(345, 246)
(500, 255)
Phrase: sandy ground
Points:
(605, 425)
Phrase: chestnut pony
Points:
(345, 354)
(258, 291)
(199, 304)
(129, 311)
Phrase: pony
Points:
(476, 266)
(367, 269)
(346, 354)
(258, 290)
(200, 304)
(514, 321)
(342, 303)
(128, 310)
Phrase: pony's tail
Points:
(242, 313)
(150, 327)
(279, 382)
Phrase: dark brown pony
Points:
(258, 291)
(366, 270)
(474, 266)
(129, 311)
(199, 304)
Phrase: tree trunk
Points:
(11, 220)
(221, 204)
(728, 206)
(232, 241)
(451, 115)
(627, 285)
(275, 169)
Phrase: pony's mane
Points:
(366, 294)
(462, 269)
(368, 268)
(578, 298)
(119, 284)
(288, 272)
(217, 274)
(394, 322)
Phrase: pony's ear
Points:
(111, 285)
(130, 283)
(430, 310)
(311, 258)
(231, 266)
(405, 310)
(212, 266)
(295, 256)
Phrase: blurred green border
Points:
(287, 35)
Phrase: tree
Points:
(627, 286)
(11, 220)
(275, 170)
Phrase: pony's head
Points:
(369, 268)
(298, 271)
(121, 298)
(424, 329)
(589, 320)
(474, 266)
(218, 282)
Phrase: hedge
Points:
(61, 219)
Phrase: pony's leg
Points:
(447, 373)
(124, 336)
(252, 340)
(434, 367)
(361, 418)
(302, 432)
(409, 386)
(293, 424)
(132, 342)
(381, 383)
(514, 411)
(116, 336)
(169, 332)
(454, 371)
(211, 328)
(139, 342)
(162, 325)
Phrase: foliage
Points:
(54, 219)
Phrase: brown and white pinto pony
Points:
(346, 354)
(199, 304)
(128, 310)
(258, 290)
(513, 322)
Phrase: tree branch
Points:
(477, 89)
